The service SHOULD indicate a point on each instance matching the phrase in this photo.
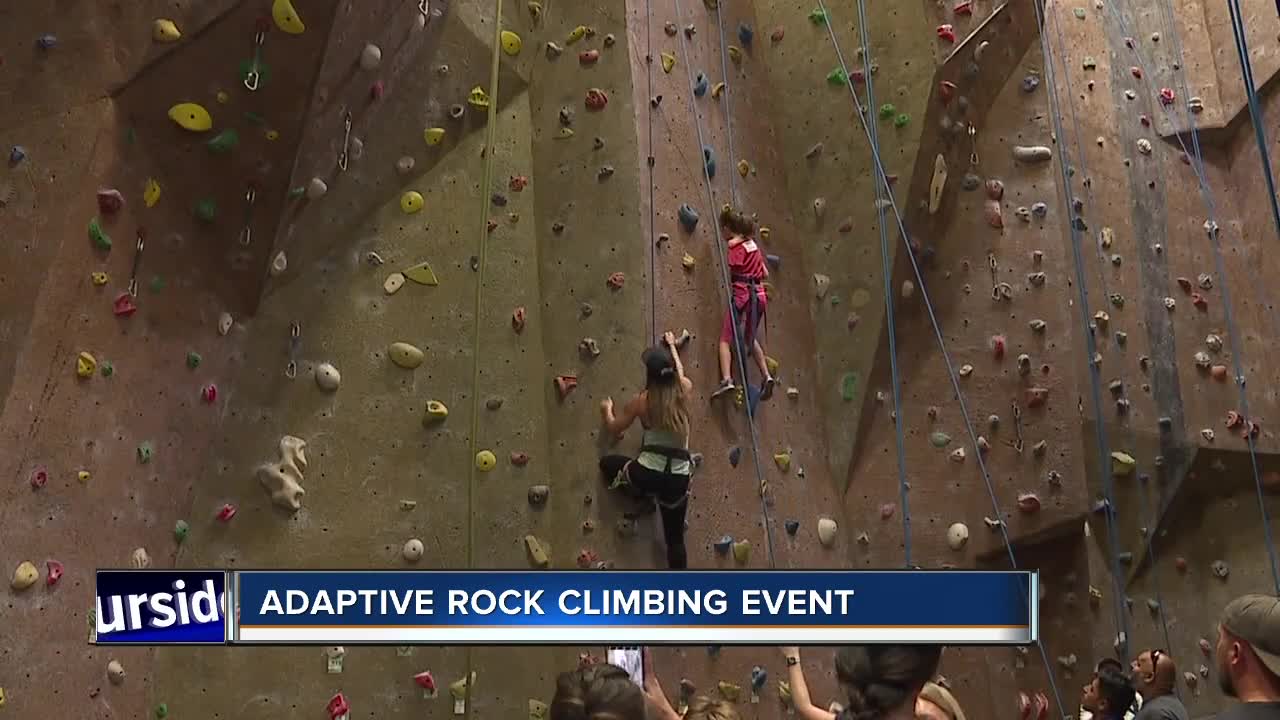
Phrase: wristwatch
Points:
(793, 660)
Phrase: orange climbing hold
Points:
(964, 7)
(518, 183)
(596, 99)
(565, 384)
(617, 280)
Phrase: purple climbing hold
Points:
(745, 35)
(16, 155)
(774, 261)
(709, 160)
(723, 544)
(688, 217)
(700, 85)
(735, 454)
(48, 41)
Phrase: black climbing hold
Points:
(745, 35)
(792, 526)
(735, 454)
(688, 217)
(709, 160)
(475, 263)
(700, 85)
(774, 261)
(16, 155)
(1080, 224)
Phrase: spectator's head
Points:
(1154, 673)
(1109, 693)
(879, 679)
(937, 703)
(704, 708)
(1248, 650)
(599, 692)
(736, 222)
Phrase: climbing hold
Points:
(688, 217)
(709, 160)
(286, 17)
(110, 201)
(1036, 396)
(436, 412)
(938, 183)
(744, 168)
(193, 359)
(735, 454)
(741, 551)
(1144, 146)
(1030, 83)
(993, 213)
(518, 319)
(327, 377)
(827, 531)
(939, 439)
(279, 264)
(729, 691)
(849, 386)
(668, 62)
(565, 384)
(688, 261)
(588, 57)
(958, 455)
(165, 31)
(411, 202)
(782, 460)
(700, 85)
(412, 550)
(576, 34)
(433, 136)
(394, 282)
(511, 43)
(957, 535)
(1220, 569)
(140, 559)
(24, 576)
(86, 365)
(486, 460)
(48, 41)
(606, 171)
(946, 33)
(902, 120)
(100, 238)
(538, 556)
(190, 116)
(224, 142)
(1122, 464)
(283, 479)
(316, 188)
(1166, 96)
(616, 280)
(1032, 153)
(1029, 503)
(839, 77)
(596, 99)
(405, 355)
(478, 98)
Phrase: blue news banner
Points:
(477, 607)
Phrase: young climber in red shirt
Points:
(747, 269)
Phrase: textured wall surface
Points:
(1089, 280)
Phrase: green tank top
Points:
(657, 462)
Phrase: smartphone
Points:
(630, 659)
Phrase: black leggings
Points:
(671, 493)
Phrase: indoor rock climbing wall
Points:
(297, 285)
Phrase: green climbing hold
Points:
(297, 192)
(888, 110)
(1079, 13)
(162, 711)
(158, 284)
(902, 120)
(224, 142)
(838, 77)
(106, 368)
(206, 210)
(180, 531)
(193, 359)
(100, 238)
(818, 16)
(254, 118)
(939, 439)
(835, 300)
(145, 451)
(849, 386)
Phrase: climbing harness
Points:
(295, 344)
(246, 234)
(882, 180)
(137, 261)
(253, 77)
(346, 142)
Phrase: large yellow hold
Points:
(287, 18)
(411, 202)
(191, 116)
(511, 43)
(433, 136)
(165, 31)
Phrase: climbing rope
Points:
(942, 345)
(723, 264)
(886, 267)
(491, 132)
(653, 230)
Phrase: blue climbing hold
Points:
(48, 41)
(709, 160)
(723, 544)
(16, 155)
(774, 261)
(1030, 83)
(700, 85)
(735, 454)
(688, 217)
(745, 35)
(792, 526)
(759, 676)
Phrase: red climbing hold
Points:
(886, 511)
(586, 558)
(596, 99)
(891, 179)
(110, 201)
(964, 7)
(519, 459)
(1036, 396)
(123, 305)
(518, 183)
(946, 91)
(1146, 121)
(777, 34)
(425, 681)
(947, 33)
(227, 512)
(338, 707)
(517, 319)
(1218, 372)
(1029, 503)
(1252, 429)
(53, 572)
(565, 384)
(1166, 96)
(617, 280)
(1198, 300)
(1180, 563)
(997, 346)
(858, 76)
(1234, 419)
(1042, 706)
(209, 393)
(376, 90)
(1136, 72)
(39, 478)
(589, 57)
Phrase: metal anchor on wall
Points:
(1018, 444)
(346, 142)
(254, 74)
(295, 344)
(137, 260)
(246, 235)
(973, 145)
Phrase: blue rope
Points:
(942, 347)
(728, 285)
(653, 230)
(887, 270)
(728, 114)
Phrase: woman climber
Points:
(747, 269)
(660, 474)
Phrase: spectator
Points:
(1156, 675)
(659, 707)
(937, 703)
(1109, 694)
(597, 691)
(1248, 657)
(1118, 667)
(884, 682)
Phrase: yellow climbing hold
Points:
(511, 43)
(272, 135)
(433, 136)
(1122, 464)
(436, 412)
(735, 53)
(83, 476)
(688, 262)
(191, 116)
(85, 365)
(564, 133)
(422, 274)
(24, 576)
(151, 193)
(286, 17)
(772, 364)
(486, 460)
(223, 97)
(577, 34)
(478, 97)
(165, 31)
(744, 168)
(411, 202)
(99, 278)
(668, 62)
(782, 460)
(717, 90)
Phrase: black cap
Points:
(659, 366)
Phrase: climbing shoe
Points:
(766, 388)
(726, 386)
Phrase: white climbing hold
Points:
(413, 550)
(404, 165)
(316, 188)
(283, 479)
(115, 672)
(405, 355)
(1144, 146)
(370, 57)
(328, 377)
(957, 535)
(1032, 153)
(279, 264)
(827, 531)
(938, 184)
(224, 323)
(821, 283)
(140, 559)
(908, 289)
(394, 282)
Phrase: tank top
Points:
(657, 461)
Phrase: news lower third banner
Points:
(736, 607)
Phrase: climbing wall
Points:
(411, 288)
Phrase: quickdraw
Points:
(346, 143)
(246, 235)
(137, 260)
(295, 344)
(254, 75)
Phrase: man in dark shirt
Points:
(1248, 657)
(1155, 675)
(1108, 695)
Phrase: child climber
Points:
(747, 270)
